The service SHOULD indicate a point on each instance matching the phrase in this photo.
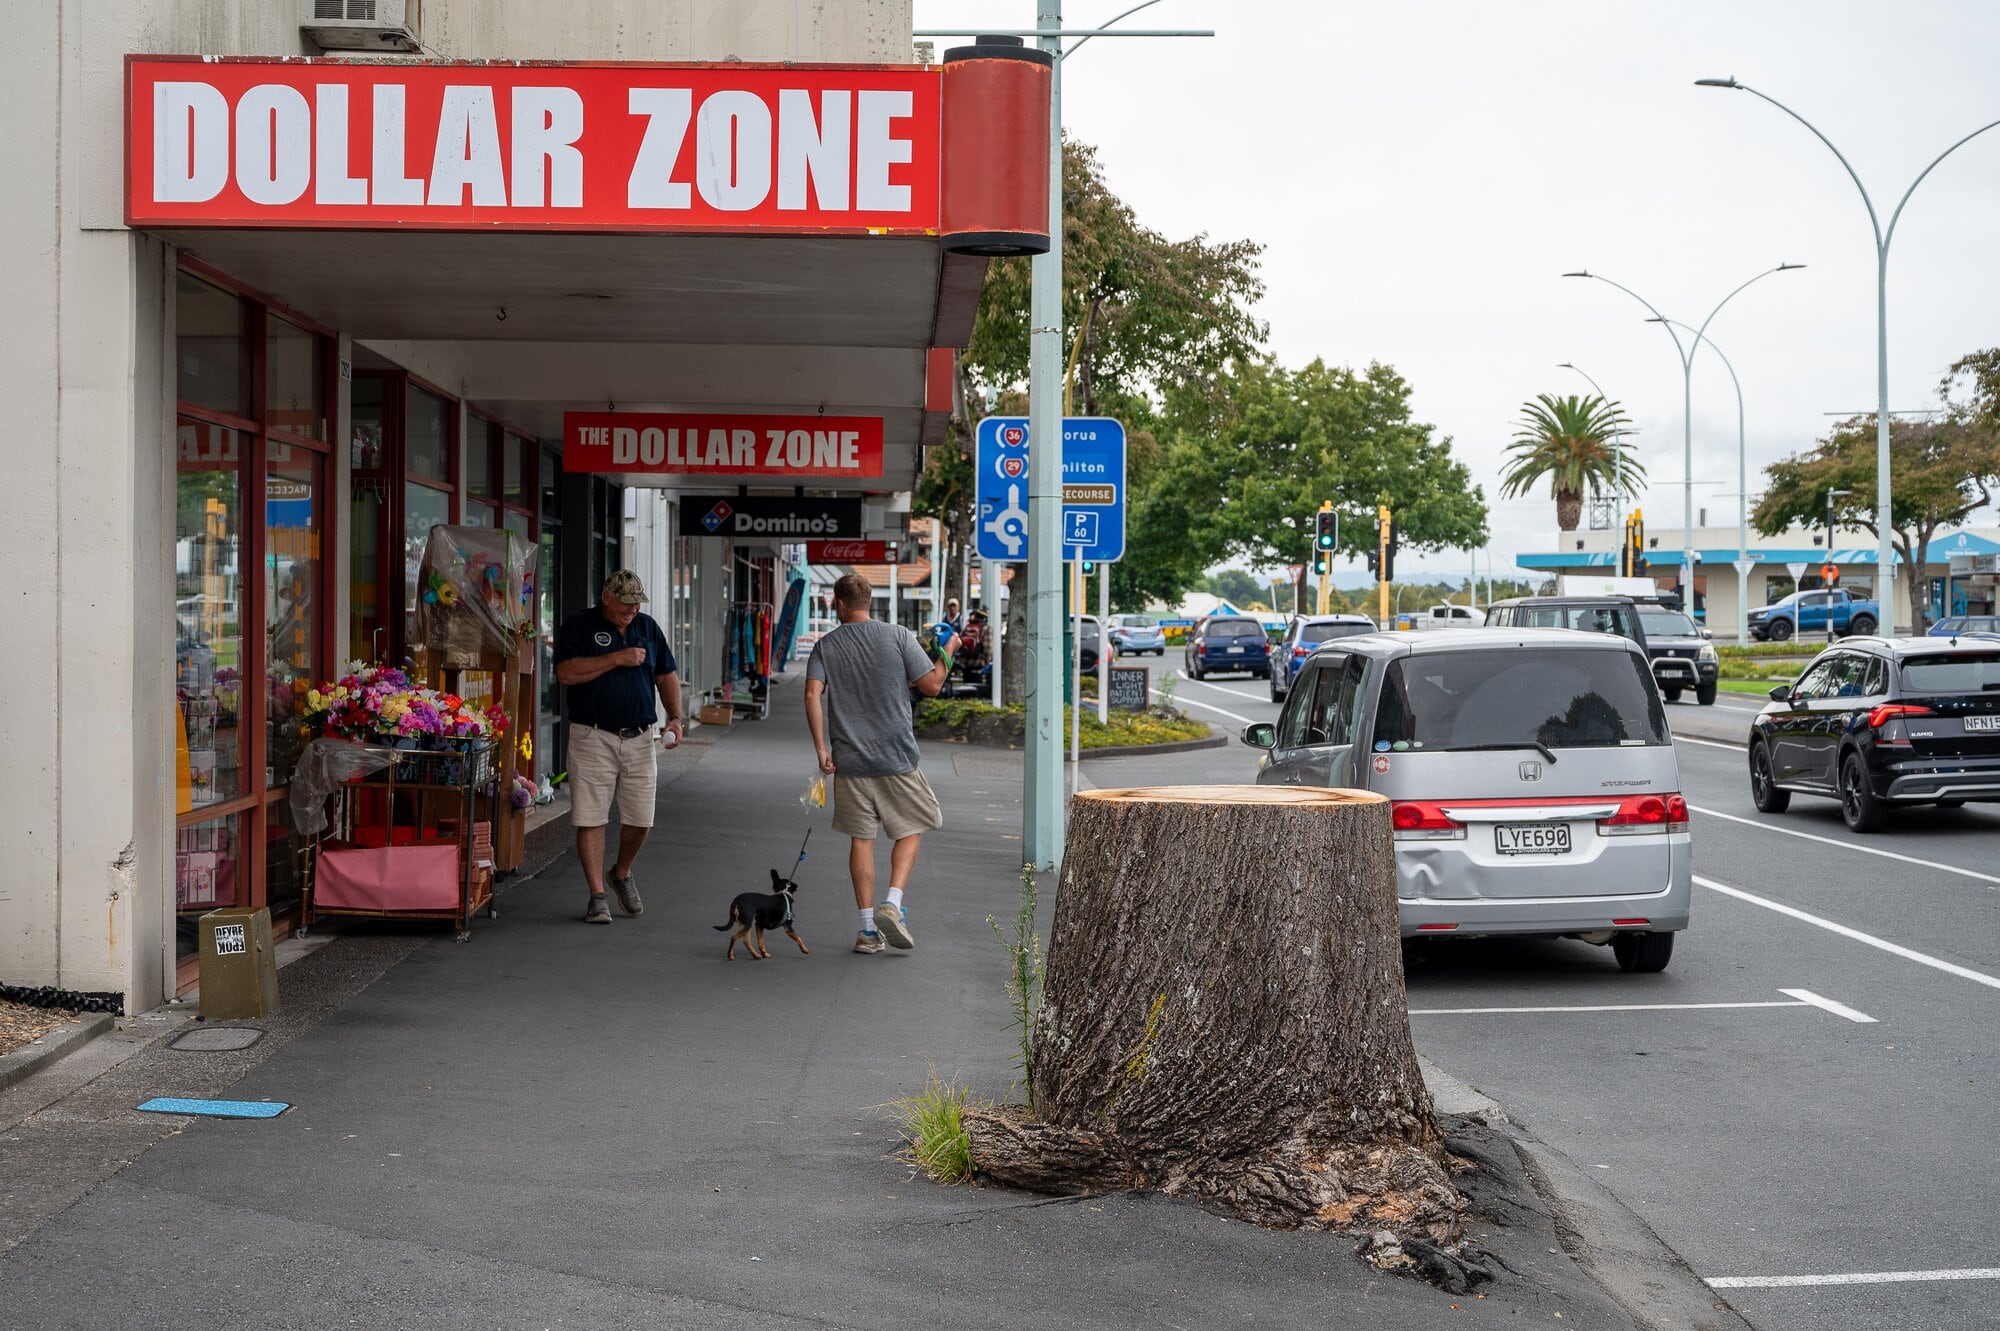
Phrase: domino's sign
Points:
(1093, 490)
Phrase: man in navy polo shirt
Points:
(614, 660)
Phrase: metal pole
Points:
(1104, 644)
(996, 621)
(1076, 668)
(1042, 807)
(1742, 498)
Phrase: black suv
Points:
(1681, 655)
(1875, 722)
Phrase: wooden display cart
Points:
(509, 676)
(404, 840)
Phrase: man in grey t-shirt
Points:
(858, 683)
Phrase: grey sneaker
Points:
(868, 942)
(598, 911)
(628, 894)
(894, 922)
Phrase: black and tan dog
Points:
(758, 911)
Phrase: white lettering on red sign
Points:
(698, 444)
(298, 143)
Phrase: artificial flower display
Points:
(376, 703)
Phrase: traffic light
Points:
(1089, 567)
(1326, 530)
(1632, 560)
(1374, 560)
(1322, 564)
(1385, 544)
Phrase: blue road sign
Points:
(1093, 487)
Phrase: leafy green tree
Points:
(1235, 586)
(1572, 441)
(1250, 479)
(1944, 469)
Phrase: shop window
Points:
(517, 460)
(480, 515)
(366, 422)
(423, 508)
(208, 614)
(427, 440)
(481, 440)
(294, 521)
(294, 379)
(208, 873)
(212, 336)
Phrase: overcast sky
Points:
(1420, 175)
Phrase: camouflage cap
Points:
(624, 585)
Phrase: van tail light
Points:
(1641, 815)
(1423, 820)
(1887, 712)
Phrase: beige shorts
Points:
(901, 805)
(603, 767)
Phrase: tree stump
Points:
(1224, 1019)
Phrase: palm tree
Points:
(1573, 442)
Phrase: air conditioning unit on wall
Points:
(363, 25)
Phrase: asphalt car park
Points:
(1826, 1173)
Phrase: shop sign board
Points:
(722, 444)
(710, 149)
(1093, 521)
(1129, 687)
(764, 517)
(847, 552)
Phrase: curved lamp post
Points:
(1742, 501)
(1884, 550)
(1617, 447)
(1686, 353)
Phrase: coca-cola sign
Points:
(847, 552)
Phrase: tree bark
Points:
(1013, 661)
(1569, 509)
(1224, 1017)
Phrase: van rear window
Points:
(1956, 673)
(1519, 696)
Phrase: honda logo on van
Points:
(1531, 771)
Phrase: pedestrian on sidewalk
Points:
(858, 708)
(614, 660)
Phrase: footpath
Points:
(556, 1124)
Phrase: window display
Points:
(208, 648)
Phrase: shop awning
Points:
(726, 238)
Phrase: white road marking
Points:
(1709, 743)
(1202, 683)
(1894, 949)
(1189, 702)
(1837, 1009)
(1853, 1278)
(1601, 1007)
(1849, 845)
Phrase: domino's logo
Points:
(718, 515)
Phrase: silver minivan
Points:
(1533, 785)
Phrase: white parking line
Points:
(1848, 845)
(1795, 998)
(1853, 1278)
(1837, 1009)
(1189, 702)
(1894, 949)
(1600, 1007)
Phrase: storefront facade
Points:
(273, 331)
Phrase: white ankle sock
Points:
(896, 897)
(867, 919)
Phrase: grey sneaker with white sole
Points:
(598, 911)
(893, 922)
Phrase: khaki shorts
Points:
(901, 805)
(603, 766)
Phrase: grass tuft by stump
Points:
(1223, 1018)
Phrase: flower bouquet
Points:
(378, 704)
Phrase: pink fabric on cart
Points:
(387, 878)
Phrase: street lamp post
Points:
(1686, 353)
(1825, 586)
(1884, 549)
(1617, 445)
(1742, 503)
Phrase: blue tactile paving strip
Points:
(167, 1104)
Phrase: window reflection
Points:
(208, 633)
(294, 507)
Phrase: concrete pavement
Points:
(556, 1124)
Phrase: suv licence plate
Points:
(1982, 723)
(1531, 838)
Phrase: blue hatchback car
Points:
(1302, 635)
(1227, 643)
(1132, 634)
